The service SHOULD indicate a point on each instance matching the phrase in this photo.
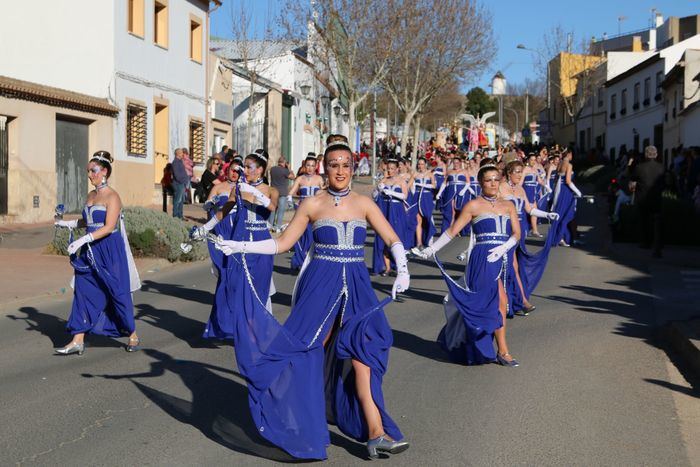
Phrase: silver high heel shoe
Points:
(133, 345)
(382, 444)
(70, 349)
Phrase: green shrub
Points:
(151, 233)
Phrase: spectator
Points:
(189, 167)
(180, 181)
(210, 177)
(649, 178)
(279, 179)
(224, 151)
(166, 184)
(624, 196)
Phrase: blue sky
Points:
(522, 21)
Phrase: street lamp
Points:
(542, 57)
(305, 89)
(498, 89)
(517, 124)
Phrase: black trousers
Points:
(650, 226)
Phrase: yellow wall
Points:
(274, 126)
(32, 156)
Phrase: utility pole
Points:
(527, 103)
(373, 135)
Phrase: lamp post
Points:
(336, 111)
(517, 125)
(498, 89)
(542, 57)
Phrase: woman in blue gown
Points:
(439, 173)
(528, 273)
(475, 309)
(326, 362)
(423, 189)
(391, 195)
(105, 275)
(448, 194)
(565, 196)
(305, 186)
(545, 201)
(217, 199)
(411, 204)
(245, 214)
(531, 184)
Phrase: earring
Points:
(104, 180)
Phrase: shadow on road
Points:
(55, 328)
(179, 291)
(185, 329)
(219, 406)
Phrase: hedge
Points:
(151, 233)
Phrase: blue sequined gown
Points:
(471, 309)
(247, 223)
(295, 384)
(394, 212)
(564, 204)
(223, 228)
(425, 201)
(102, 302)
(301, 247)
(530, 185)
(447, 202)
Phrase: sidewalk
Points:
(27, 271)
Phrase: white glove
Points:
(67, 224)
(381, 186)
(442, 188)
(552, 216)
(576, 191)
(437, 245)
(289, 199)
(229, 247)
(77, 244)
(547, 190)
(394, 194)
(464, 190)
(200, 233)
(257, 194)
(498, 252)
(403, 278)
(263, 247)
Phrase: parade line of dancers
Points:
(326, 362)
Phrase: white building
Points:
(139, 67)
(681, 94)
(635, 101)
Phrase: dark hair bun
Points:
(103, 156)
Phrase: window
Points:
(600, 97)
(647, 91)
(135, 22)
(196, 39)
(613, 106)
(197, 141)
(136, 130)
(635, 98)
(160, 24)
(623, 102)
(659, 79)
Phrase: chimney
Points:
(658, 20)
(636, 43)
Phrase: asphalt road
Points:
(592, 388)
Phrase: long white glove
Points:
(442, 188)
(552, 216)
(381, 186)
(497, 253)
(403, 278)
(576, 191)
(437, 245)
(257, 194)
(424, 185)
(200, 233)
(77, 244)
(394, 194)
(547, 189)
(67, 224)
(262, 247)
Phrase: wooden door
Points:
(4, 164)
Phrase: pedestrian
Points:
(649, 178)
(189, 167)
(423, 185)
(333, 349)
(476, 307)
(166, 184)
(224, 152)
(180, 182)
(280, 176)
(105, 274)
(210, 176)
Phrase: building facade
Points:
(126, 76)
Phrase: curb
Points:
(684, 338)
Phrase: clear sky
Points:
(524, 22)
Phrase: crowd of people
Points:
(326, 362)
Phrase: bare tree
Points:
(568, 68)
(253, 42)
(433, 45)
(349, 41)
